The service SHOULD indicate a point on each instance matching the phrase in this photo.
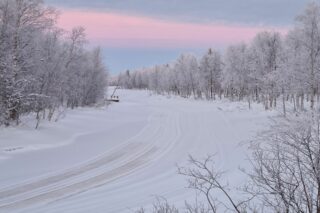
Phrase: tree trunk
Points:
(312, 98)
(284, 105)
(297, 102)
(302, 102)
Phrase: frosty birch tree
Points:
(265, 56)
(22, 21)
(236, 76)
(38, 65)
(210, 74)
(307, 35)
(186, 68)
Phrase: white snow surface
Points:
(118, 158)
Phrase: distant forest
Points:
(269, 68)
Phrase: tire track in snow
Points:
(69, 174)
(82, 185)
(131, 165)
(107, 158)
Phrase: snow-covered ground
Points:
(119, 158)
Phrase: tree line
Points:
(270, 67)
(43, 67)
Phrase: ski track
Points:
(171, 134)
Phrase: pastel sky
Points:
(137, 33)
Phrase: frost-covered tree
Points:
(265, 60)
(236, 73)
(305, 50)
(41, 68)
(126, 80)
(187, 73)
(21, 23)
(211, 73)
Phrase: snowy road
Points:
(116, 160)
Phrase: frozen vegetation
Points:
(43, 68)
(272, 69)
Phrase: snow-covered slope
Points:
(118, 159)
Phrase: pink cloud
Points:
(116, 30)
